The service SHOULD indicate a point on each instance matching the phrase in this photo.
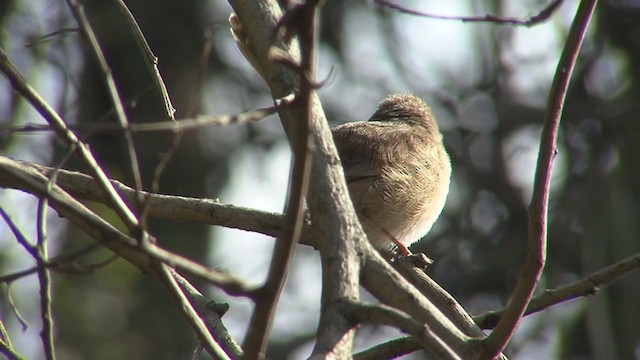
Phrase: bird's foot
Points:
(419, 260)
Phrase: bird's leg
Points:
(419, 260)
(401, 248)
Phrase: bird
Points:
(397, 171)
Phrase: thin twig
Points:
(60, 264)
(152, 60)
(586, 286)
(152, 64)
(23, 322)
(211, 313)
(446, 303)
(538, 18)
(391, 349)
(78, 12)
(6, 348)
(213, 348)
(20, 85)
(386, 284)
(330, 208)
(22, 240)
(44, 277)
(42, 259)
(538, 209)
(179, 125)
(48, 36)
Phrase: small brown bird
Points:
(397, 171)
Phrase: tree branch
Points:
(178, 208)
(542, 16)
(384, 315)
(538, 211)
(97, 228)
(302, 145)
(330, 207)
(20, 85)
(586, 286)
(78, 12)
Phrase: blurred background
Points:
(487, 85)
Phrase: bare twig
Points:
(386, 284)
(446, 303)
(213, 348)
(391, 349)
(166, 156)
(22, 240)
(538, 18)
(6, 348)
(46, 37)
(21, 86)
(42, 259)
(211, 313)
(59, 263)
(44, 277)
(538, 211)
(152, 60)
(112, 238)
(385, 315)
(23, 322)
(39, 253)
(78, 12)
(179, 125)
(586, 286)
(148, 257)
(266, 300)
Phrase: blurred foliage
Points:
(487, 84)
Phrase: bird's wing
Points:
(354, 142)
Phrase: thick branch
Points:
(170, 207)
(331, 211)
(97, 228)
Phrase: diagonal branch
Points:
(586, 286)
(97, 228)
(78, 12)
(166, 276)
(20, 85)
(381, 314)
(152, 60)
(538, 209)
(262, 317)
(149, 258)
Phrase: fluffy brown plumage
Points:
(397, 171)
